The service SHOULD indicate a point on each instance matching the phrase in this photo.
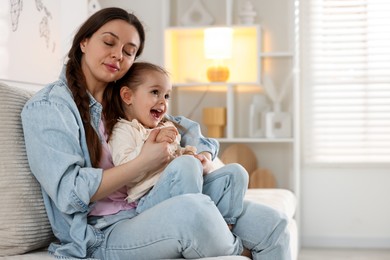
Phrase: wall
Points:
(71, 19)
(31, 40)
(35, 37)
(345, 207)
(151, 13)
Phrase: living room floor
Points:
(343, 254)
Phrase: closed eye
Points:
(129, 51)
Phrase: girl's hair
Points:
(75, 77)
(113, 108)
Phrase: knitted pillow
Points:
(24, 223)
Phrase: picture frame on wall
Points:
(30, 48)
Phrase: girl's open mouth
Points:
(156, 113)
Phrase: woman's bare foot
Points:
(230, 226)
(246, 253)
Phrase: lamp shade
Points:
(218, 43)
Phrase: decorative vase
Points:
(215, 120)
(257, 111)
(218, 73)
(278, 124)
(248, 13)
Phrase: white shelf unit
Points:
(276, 55)
(275, 154)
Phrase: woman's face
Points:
(109, 53)
(149, 102)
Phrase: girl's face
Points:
(149, 102)
(109, 53)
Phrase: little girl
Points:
(126, 142)
(140, 102)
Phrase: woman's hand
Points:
(207, 163)
(152, 159)
(167, 134)
(155, 154)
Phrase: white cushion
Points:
(24, 223)
(280, 199)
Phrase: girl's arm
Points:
(191, 135)
(126, 142)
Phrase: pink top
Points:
(117, 200)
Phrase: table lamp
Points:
(218, 48)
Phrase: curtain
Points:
(345, 57)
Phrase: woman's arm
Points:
(57, 151)
(58, 155)
(153, 157)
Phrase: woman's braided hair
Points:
(76, 79)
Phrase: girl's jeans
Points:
(225, 186)
(176, 220)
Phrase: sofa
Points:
(25, 230)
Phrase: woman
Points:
(67, 152)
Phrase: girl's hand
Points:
(167, 134)
(207, 163)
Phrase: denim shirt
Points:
(191, 135)
(58, 156)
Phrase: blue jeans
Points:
(225, 186)
(176, 220)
